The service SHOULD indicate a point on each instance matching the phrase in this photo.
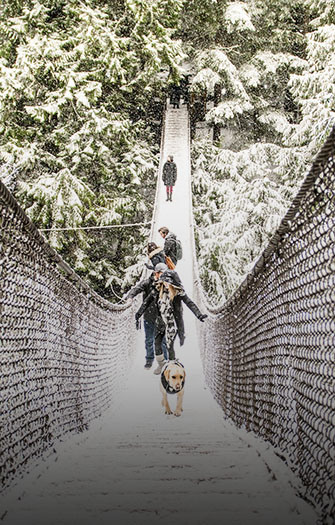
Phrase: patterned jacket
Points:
(169, 173)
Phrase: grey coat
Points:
(169, 173)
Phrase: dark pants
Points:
(149, 330)
(159, 336)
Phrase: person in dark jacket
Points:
(169, 176)
(145, 287)
(170, 243)
(169, 294)
(156, 255)
(184, 86)
(175, 94)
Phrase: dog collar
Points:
(166, 385)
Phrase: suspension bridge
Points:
(83, 436)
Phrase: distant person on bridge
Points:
(145, 287)
(172, 245)
(168, 294)
(184, 86)
(169, 176)
(175, 94)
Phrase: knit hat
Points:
(160, 267)
(171, 277)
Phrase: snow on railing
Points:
(64, 350)
(269, 352)
(159, 171)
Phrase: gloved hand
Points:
(138, 321)
(181, 340)
(203, 317)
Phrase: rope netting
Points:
(64, 350)
(269, 352)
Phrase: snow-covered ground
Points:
(135, 464)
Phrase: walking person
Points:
(168, 294)
(169, 176)
(172, 245)
(184, 86)
(175, 94)
(145, 287)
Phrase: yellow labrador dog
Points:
(172, 382)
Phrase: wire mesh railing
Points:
(269, 352)
(64, 350)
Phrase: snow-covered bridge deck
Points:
(135, 464)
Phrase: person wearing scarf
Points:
(169, 295)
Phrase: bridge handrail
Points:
(64, 349)
(268, 352)
(54, 257)
(283, 228)
(159, 170)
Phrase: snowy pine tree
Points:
(77, 80)
(313, 90)
(268, 78)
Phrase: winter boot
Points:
(167, 196)
(148, 363)
(160, 363)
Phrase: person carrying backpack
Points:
(172, 245)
